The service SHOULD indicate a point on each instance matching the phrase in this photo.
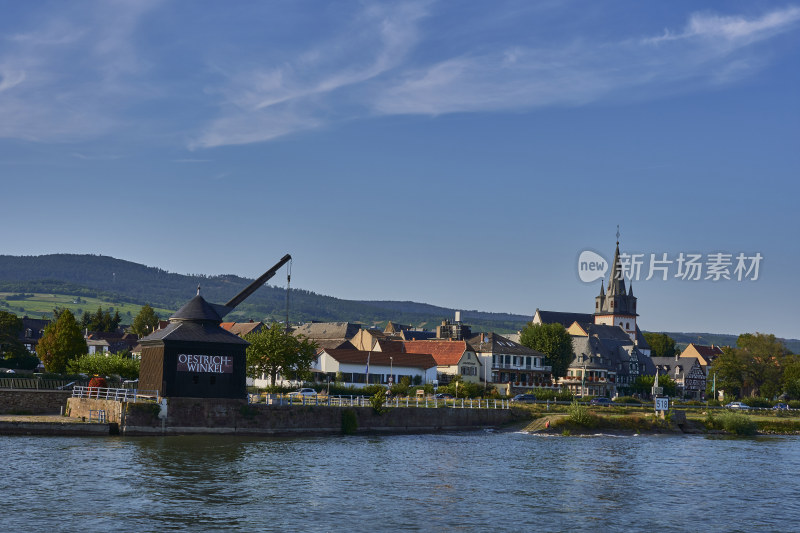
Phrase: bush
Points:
(550, 394)
(736, 423)
(794, 404)
(627, 399)
(579, 415)
(757, 402)
(378, 401)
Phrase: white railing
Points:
(120, 395)
(366, 401)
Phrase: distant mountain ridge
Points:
(104, 276)
(117, 279)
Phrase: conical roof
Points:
(197, 309)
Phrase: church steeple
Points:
(616, 281)
(617, 300)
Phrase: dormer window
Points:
(28, 333)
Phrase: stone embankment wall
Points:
(34, 402)
(200, 415)
(80, 407)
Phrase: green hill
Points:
(33, 285)
(117, 282)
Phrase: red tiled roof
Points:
(445, 352)
(398, 360)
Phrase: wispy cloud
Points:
(192, 160)
(710, 50)
(72, 74)
(67, 78)
(95, 157)
(263, 104)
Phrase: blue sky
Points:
(454, 153)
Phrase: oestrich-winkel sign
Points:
(213, 364)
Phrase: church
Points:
(610, 351)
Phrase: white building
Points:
(359, 368)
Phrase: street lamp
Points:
(391, 371)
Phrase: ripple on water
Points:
(501, 481)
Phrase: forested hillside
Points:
(115, 279)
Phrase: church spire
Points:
(616, 281)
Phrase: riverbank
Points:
(617, 420)
(53, 425)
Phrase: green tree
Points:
(145, 322)
(62, 341)
(728, 371)
(101, 364)
(272, 351)
(791, 377)
(553, 341)
(762, 356)
(101, 320)
(661, 344)
(644, 384)
(10, 330)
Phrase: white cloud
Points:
(524, 78)
(266, 103)
(68, 77)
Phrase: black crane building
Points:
(193, 356)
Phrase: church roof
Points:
(565, 319)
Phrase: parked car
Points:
(737, 405)
(780, 406)
(302, 392)
(443, 396)
(599, 401)
(524, 398)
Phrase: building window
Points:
(627, 325)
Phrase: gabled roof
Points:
(331, 344)
(494, 343)
(641, 342)
(407, 360)
(706, 351)
(410, 335)
(328, 330)
(392, 346)
(393, 327)
(669, 364)
(565, 319)
(241, 328)
(604, 331)
(445, 352)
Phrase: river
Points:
(481, 481)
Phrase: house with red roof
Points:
(452, 357)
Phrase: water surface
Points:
(483, 481)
